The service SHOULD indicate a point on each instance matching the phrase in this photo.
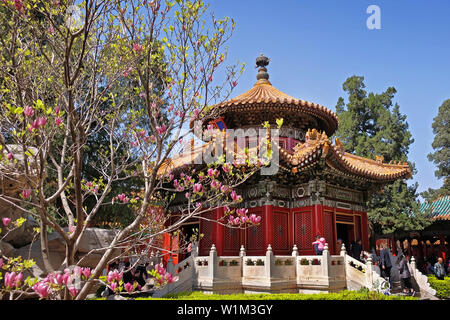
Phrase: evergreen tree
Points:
(441, 155)
(371, 124)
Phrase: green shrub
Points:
(442, 287)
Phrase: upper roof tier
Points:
(264, 102)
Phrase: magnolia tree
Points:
(132, 75)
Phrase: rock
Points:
(93, 238)
(6, 249)
(18, 237)
(33, 251)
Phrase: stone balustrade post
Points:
(326, 261)
(295, 251)
(213, 261)
(194, 252)
(413, 267)
(270, 262)
(343, 250)
(242, 252)
(369, 271)
(170, 266)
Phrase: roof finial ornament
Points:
(262, 62)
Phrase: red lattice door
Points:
(303, 232)
(280, 230)
(255, 237)
(232, 241)
(206, 228)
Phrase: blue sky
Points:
(315, 45)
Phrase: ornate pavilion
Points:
(319, 189)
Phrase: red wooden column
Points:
(318, 221)
(218, 235)
(267, 221)
(364, 231)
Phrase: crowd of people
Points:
(137, 273)
(440, 269)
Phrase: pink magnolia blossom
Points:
(161, 129)
(113, 286)
(114, 276)
(137, 47)
(26, 193)
(170, 108)
(18, 4)
(42, 289)
(189, 247)
(255, 219)
(10, 280)
(86, 272)
(59, 279)
(241, 211)
(235, 197)
(6, 221)
(128, 287)
(171, 176)
(28, 111)
(42, 121)
(198, 187)
(58, 121)
(73, 291)
(77, 271)
(234, 84)
(215, 184)
(10, 156)
(122, 197)
(244, 219)
(34, 125)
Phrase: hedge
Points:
(442, 287)
(341, 295)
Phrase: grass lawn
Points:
(342, 295)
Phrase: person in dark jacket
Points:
(405, 275)
(386, 264)
(356, 249)
(128, 276)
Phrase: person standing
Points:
(405, 275)
(319, 245)
(439, 269)
(386, 264)
(357, 249)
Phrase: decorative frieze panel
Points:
(343, 205)
(343, 194)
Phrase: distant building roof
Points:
(440, 208)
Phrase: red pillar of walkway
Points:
(318, 221)
(268, 226)
(218, 235)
